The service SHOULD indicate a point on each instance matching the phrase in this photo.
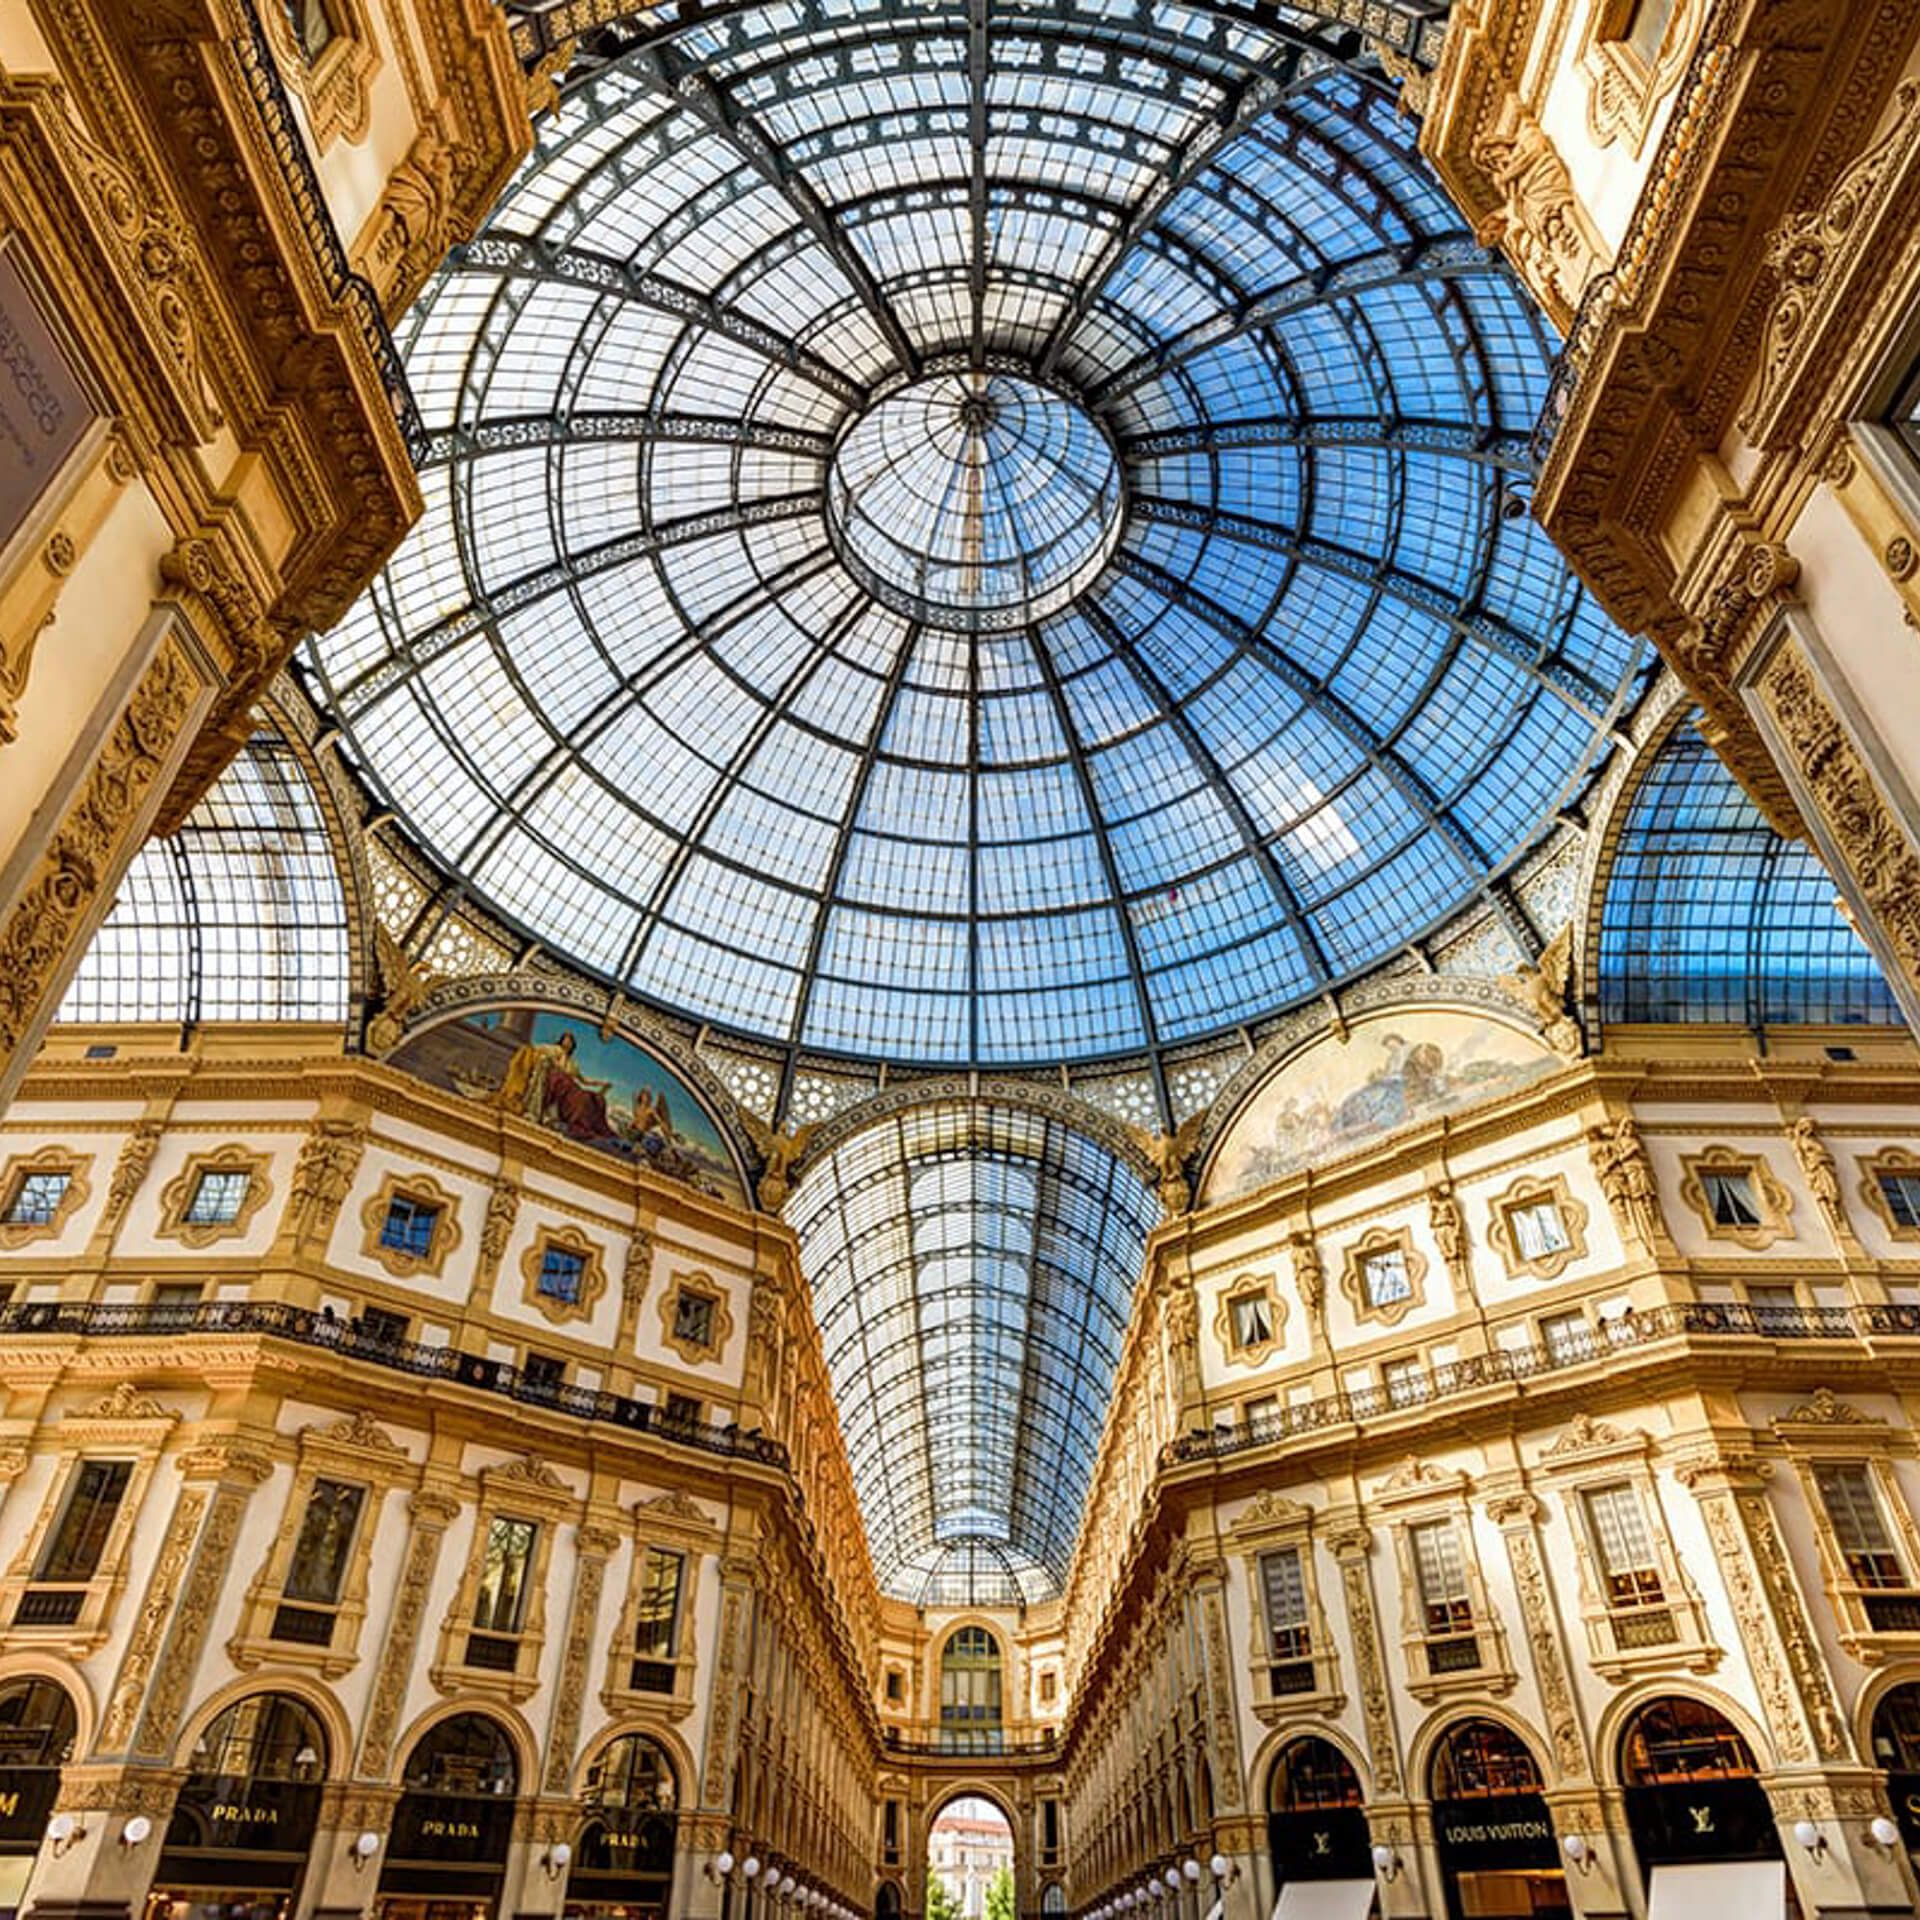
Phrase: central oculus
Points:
(974, 500)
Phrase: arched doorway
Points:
(1317, 1833)
(1896, 1752)
(37, 1726)
(453, 1825)
(623, 1867)
(970, 1709)
(1491, 1826)
(970, 1862)
(242, 1827)
(1701, 1822)
(886, 1903)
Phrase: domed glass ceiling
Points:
(973, 536)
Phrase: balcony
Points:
(1534, 1361)
(274, 1319)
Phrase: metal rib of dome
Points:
(1289, 694)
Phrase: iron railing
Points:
(1508, 1365)
(353, 291)
(81, 1319)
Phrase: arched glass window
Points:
(469, 1754)
(37, 1724)
(1675, 1739)
(1310, 1774)
(970, 1679)
(266, 1736)
(1481, 1760)
(633, 1772)
(1054, 1900)
(1711, 916)
(1896, 1729)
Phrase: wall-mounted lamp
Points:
(365, 1846)
(1807, 1835)
(720, 1866)
(750, 1867)
(1578, 1853)
(556, 1859)
(135, 1831)
(1883, 1833)
(63, 1830)
(1386, 1863)
(1190, 1872)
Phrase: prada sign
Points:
(1321, 1843)
(455, 1828)
(1903, 1789)
(1702, 1820)
(235, 1811)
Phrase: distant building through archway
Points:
(969, 1846)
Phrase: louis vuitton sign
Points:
(45, 410)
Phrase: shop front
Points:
(1896, 1751)
(242, 1828)
(1702, 1826)
(623, 1865)
(1492, 1830)
(1317, 1835)
(447, 1854)
(37, 1724)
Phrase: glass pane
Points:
(502, 1597)
(73, 1554)
(327, 1530)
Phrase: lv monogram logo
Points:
(1322, 1843)
(1702, 1819)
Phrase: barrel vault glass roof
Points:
(1140, 762)
(972, 1267)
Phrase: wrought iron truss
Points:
(1329, 689)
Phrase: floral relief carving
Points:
(143, 1646)
(130, 1170)
(1543, 1637)
(206, 1579)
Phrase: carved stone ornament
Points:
(130, 1170)
(1541, 988)
(672, 1505)
(359, 1429)
(1823, 1409)
(124, 1402)
(1538, 219)
(1585, 1434)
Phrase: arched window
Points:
(266, 1736)
(1677, 1739)
(633, 1772)
(1312, 1773)
(886, 1905)
(1896, 1729)
(469, 1754)
(970, 1679)
(1481, 1760)
(37, 1724)
(1054, 1900)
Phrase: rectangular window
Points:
(562, 1271)
(1442, 1572)
(1252, 1320)
(218, 1196)
(318, 1568)
(1647, 27)
(314, 25)
(543, 1373)
(1386, 1277)
(1901, 1192)
(1538, 1229)
(382, 1327)
(501, 1603)
(73, 1553)
(1406, 1382)
(1568, 1337)
(680, 1410)
(656, 1631)
(890, 1829)
(1625, 1548)
(1283, 1587)
(1050, 1827)
(177, 1297)
(693, 1319)
(1846, 1491)
(1730, 1199)
(1260, 1410)
(35, 1199)
(408, 1227)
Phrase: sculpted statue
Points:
(1818, 1164)
(1170, 1153)
(1449, 1227)
(1626, 1175)
(778, 1152)
(1541, 988)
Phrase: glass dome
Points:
(967, 537)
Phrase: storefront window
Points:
(37, 1727)
(1498, 1855)
(624, 1870)
(454, 1823)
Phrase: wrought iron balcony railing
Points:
(80, 1319)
